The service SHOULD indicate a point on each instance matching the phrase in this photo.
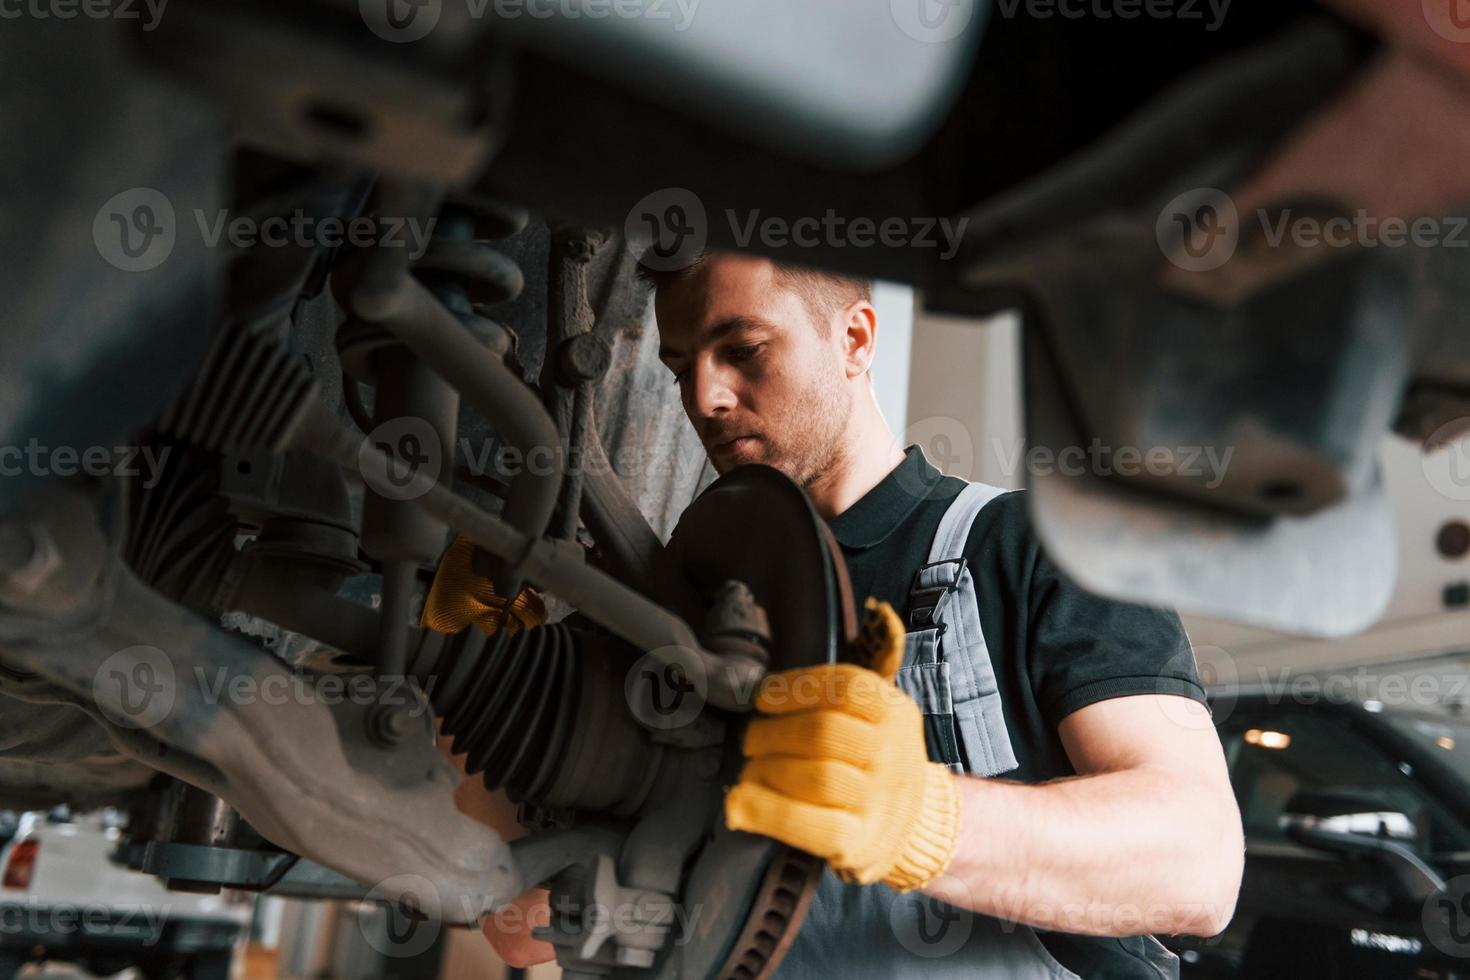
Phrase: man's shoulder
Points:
(1001, 522)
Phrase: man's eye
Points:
(679, 376)
(745, 353)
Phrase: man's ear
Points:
(859, 338)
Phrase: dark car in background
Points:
(1357, 824)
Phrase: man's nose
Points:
(710, 392)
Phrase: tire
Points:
(210, 966)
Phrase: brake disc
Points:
(755, 525)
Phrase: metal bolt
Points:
(585, 357)
(388, 725)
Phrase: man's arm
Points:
(508, 930)
(1147, 838)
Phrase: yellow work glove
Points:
(459, 597)
(837, 767)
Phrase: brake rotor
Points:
(756, 526)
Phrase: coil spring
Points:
(507, 701)
(460, 268)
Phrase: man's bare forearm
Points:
(510, 929)
(1111, 854)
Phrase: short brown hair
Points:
(821, 292)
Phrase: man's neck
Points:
(871, 454)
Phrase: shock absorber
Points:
(415, 410)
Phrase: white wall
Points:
(895, 305)
(965, 397)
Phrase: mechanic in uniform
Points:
(1025, 780)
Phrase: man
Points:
(1112, 815)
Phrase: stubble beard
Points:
(815, 449)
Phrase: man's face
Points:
(758, 379)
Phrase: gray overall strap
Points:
(944, 607)
(936, 581)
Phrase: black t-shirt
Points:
(1055, 648)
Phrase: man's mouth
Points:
(732, 445)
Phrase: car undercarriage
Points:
(314, 289)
